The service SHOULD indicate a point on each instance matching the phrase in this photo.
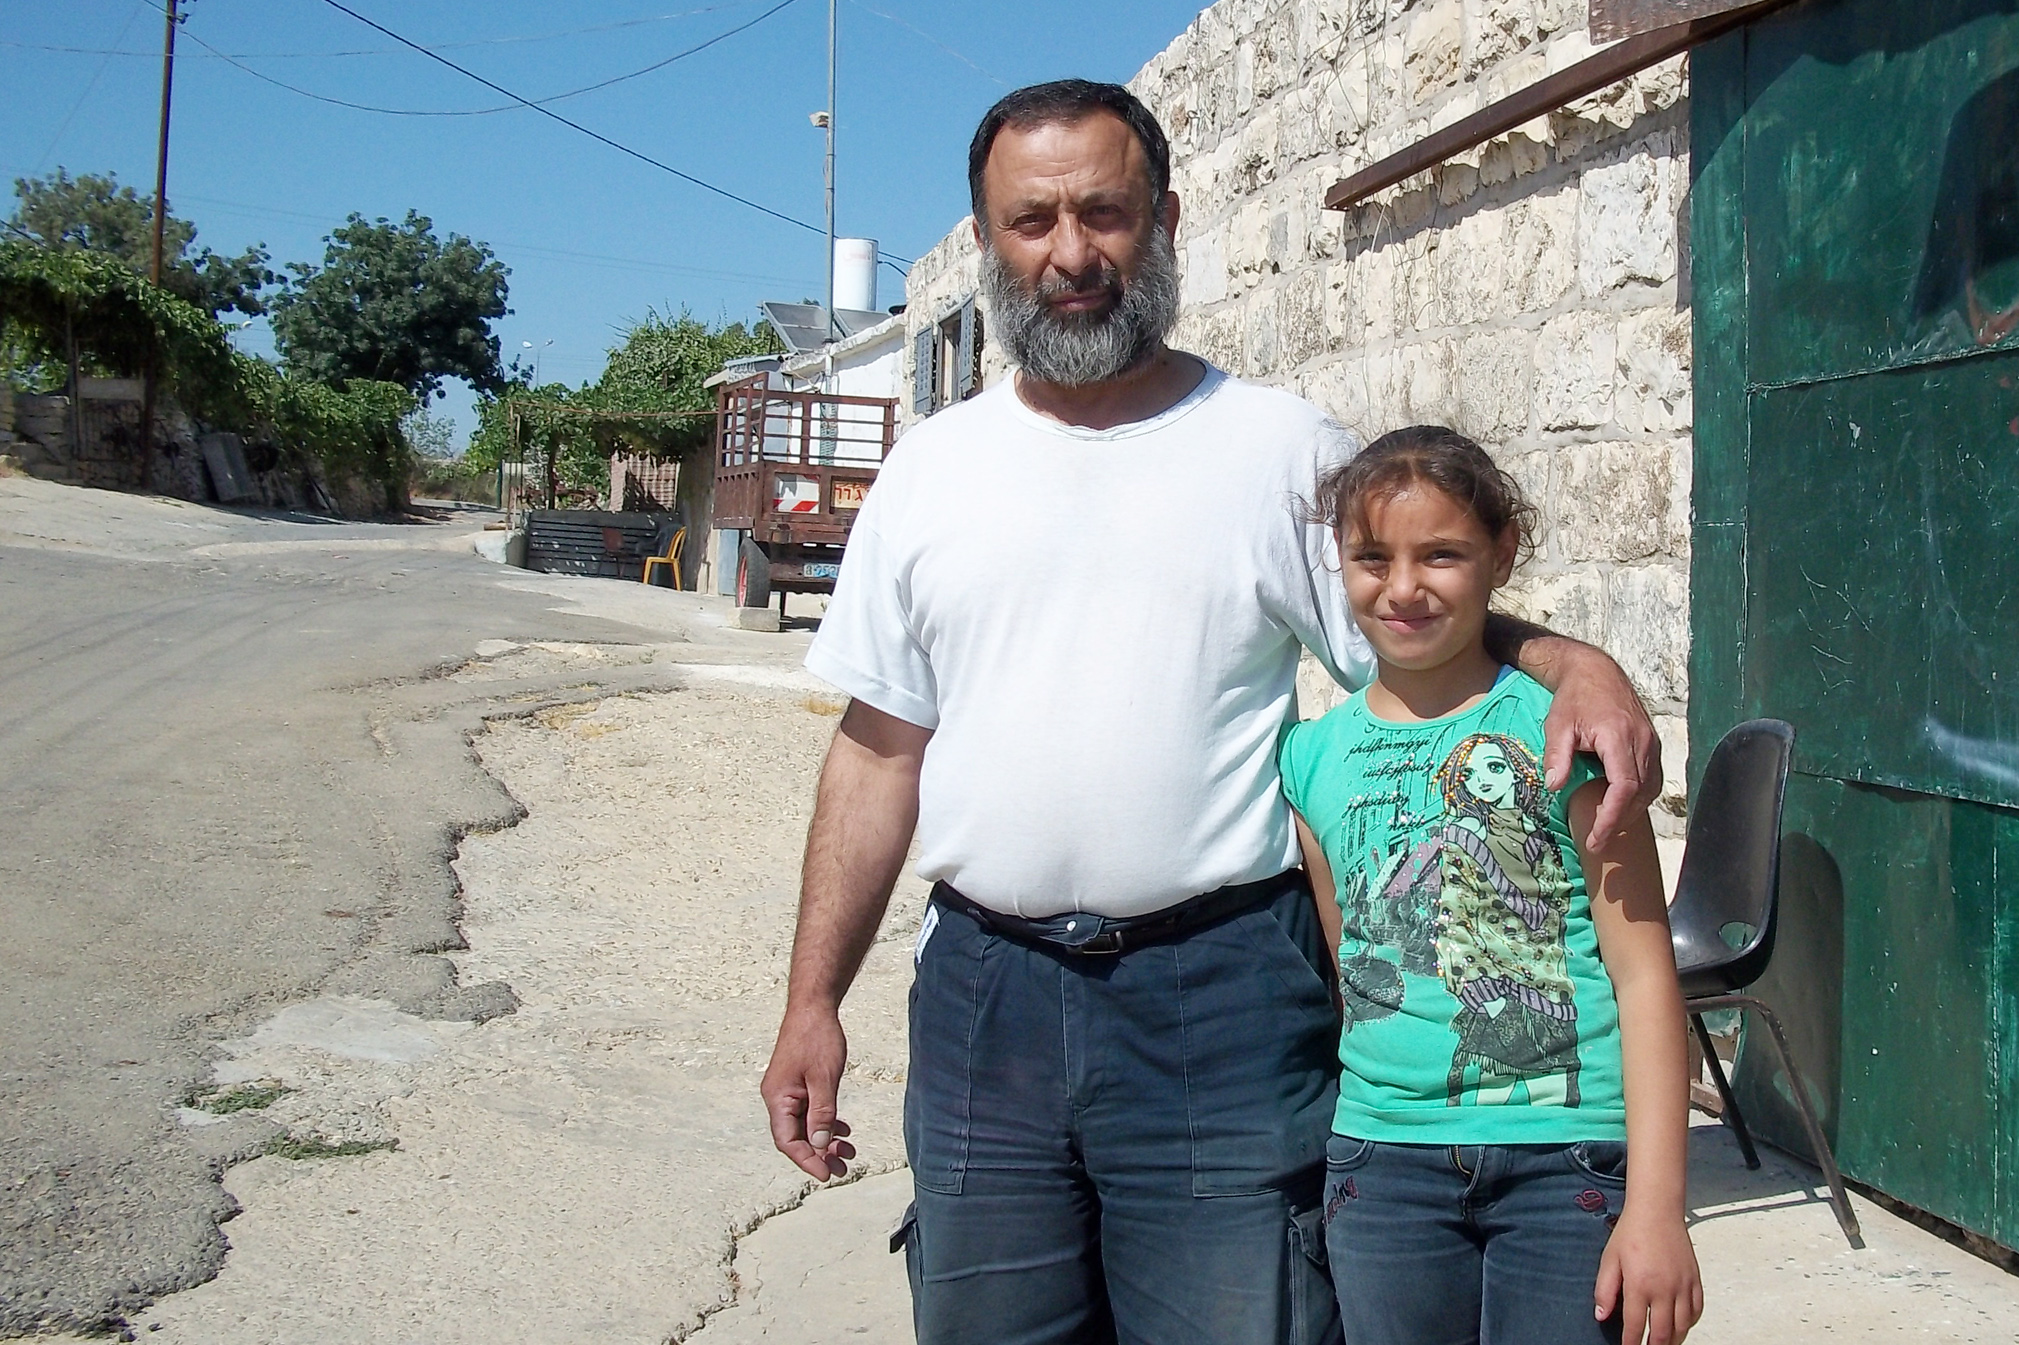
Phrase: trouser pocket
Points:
(939, 1086)
(904, 1242)
(1313, 1312)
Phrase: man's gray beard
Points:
(1075, 349)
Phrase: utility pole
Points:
(151, 370)
(161, 158)
(833, 324)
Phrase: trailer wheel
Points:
(753, 576)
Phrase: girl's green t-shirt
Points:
(1477, 1009)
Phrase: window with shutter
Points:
(925, 370)
(966, 361)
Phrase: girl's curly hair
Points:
(1435, 456)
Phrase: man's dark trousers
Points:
(1126, 1147)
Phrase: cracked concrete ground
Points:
(581, 1169)
(238, 764)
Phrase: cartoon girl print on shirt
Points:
(1502, 904)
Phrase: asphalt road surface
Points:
(233, 777)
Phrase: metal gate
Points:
(1855, 226)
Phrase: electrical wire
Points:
(502, 107)
(390, 51)
(916, 31)
(597, 136)
(603, 259)
(85, 97)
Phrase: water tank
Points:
(855, 274)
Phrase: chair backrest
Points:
(1732, 858)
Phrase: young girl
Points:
(1512, 1023)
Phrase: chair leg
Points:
(1840, 1201)
(1732, 1116)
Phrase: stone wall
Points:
(1527, 292)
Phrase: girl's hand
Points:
(1649, 1276)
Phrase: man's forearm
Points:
(863, 819)
(1536, 650)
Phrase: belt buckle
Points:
(1107, 943)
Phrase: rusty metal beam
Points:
(1566, 86)
(1612, 20)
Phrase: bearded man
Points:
(1123, 1028)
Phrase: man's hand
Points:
(1596, 710)
(862, 824)
(800, 1093)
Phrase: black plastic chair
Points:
(1731, 883)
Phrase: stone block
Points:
(1496, 30)
(1676, 527)
(1260, 154)
(1206, 268)
(1368, 298)
(1647, 629)
(1570, 603)
(1418, 282)
(1250, 241)
(1215, 337)
(1673, 806)
(1261, 348)
(1384, 377)
(1653, 394)
(1244, 79)
(1425, 371)
(1495, 380)
(754, 618)
(1541, 264)
(1434, 37)
(1574, 372)
(1613, 501)
(1626, 220)
(1300, 316)
(1470, 260)
(1339, 389)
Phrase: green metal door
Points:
(1855, 225)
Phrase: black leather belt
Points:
(1099, 935)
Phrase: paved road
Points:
(230, 781)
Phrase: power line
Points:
(597, 136)
(917, 31)
(236, 63)
(85, 97)
(627, 263)
(390, 51)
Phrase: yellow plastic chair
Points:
(671, 558)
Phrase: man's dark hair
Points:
(1067, 102)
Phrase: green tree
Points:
(64, 305)
(65, 309)
(394, 304)
(432, 436)
(95, 214)
(660, 367)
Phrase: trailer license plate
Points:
(820, 569)
(850, 494)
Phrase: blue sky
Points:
(593, 238)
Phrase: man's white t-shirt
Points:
(1102, 628)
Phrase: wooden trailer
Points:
(791, 469)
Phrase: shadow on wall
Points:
(1805, 985)
(1970, 268)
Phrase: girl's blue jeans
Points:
(1472, 1244)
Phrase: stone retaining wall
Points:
(1527, 293)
